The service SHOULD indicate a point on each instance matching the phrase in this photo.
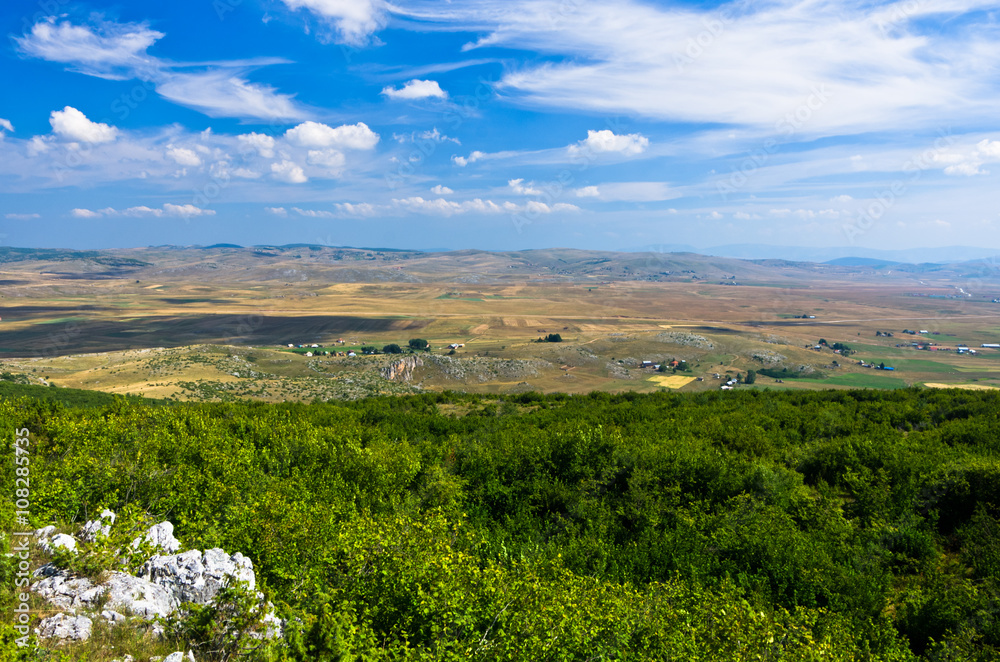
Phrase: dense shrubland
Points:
(838, 525)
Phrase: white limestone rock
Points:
(196, 576)
(65, 627)
(98, 527)
(160, 537)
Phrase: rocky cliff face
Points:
(402, 370)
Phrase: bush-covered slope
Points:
(747, 525)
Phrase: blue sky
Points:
(500, 124)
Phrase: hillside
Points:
(743, 526)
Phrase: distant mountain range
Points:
(835, 255)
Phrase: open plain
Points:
(216, 323)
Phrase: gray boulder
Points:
(179, 657)
(65, 627)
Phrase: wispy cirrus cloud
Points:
(741, 64)
(107, 49)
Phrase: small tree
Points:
(369, 349)
(392, 348)
(419, 344)
(751, 377)
(553, 337)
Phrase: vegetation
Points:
(419, 344)
(840, 525)
(392, 348)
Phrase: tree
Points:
(419, 344)
(369, 349)
(553, 337)
(751, 377)
(392, 348)
(822, 341)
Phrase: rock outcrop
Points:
(163, 583)
(402, 370)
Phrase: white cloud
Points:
(221, 93)
(416, 89)
(314, 213)
(108, 50)
(354, 20)
(967, 160)
(21, 217)
(744, 216)
(677, 61)
(967, 169)
(183, 156)
(588, 192)
(636, 192)
(177, 211)
(842, 199)
(186, 211)
(441, 190)
(518, 187)
(288, 172)
(444, 207)
(245, 173)
(348, 136)
(355, 209)
(71, 124)
(277, 211)
(463, 161)
(5, 124)
(605, 140)
(263, 144)
(328, 158)
(118, 51)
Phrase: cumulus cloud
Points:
(463, 161)
(968, 161)
(327, 158)
(5, 124)
(277, 211)
(588, 192)
(349, 136)
(441, 190)
(354, 20)
(442, 207)
(261, 143)
(167, 210)
(518, 187)
(355, 209)
(416, 89)
(607, 141)
(314, 213)
(70, 124)
(183, 156)
(288, 172)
